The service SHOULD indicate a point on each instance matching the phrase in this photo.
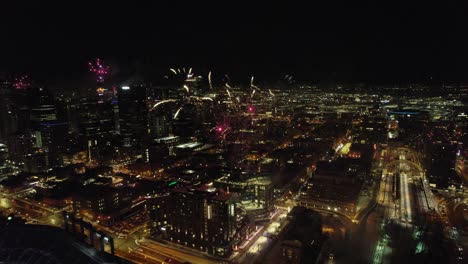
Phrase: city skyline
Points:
(229, 133)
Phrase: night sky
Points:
(347, 43)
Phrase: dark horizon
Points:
(370, 43)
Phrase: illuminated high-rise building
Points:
(133, 114)
(158, 123)
(96, 119)
(7, 166)
(8, 113)
(201, 218)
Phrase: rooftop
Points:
(44, 244)
(222, 197)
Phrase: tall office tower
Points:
(22, 149)
(201, 218)
(71, 106)
(158, 122)
(66, 111)
(159, 125)
(8, 113)
(48, 131)
(96, 124)
(42, 106)
(133, 114)
(7, 166)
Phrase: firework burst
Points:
(21, 82)
(99, 69)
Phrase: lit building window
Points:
(209, 212)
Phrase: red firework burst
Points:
(99, 69)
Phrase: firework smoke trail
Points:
(177, 112)
(251, 82)
(228, 87)
(185, 97)
(199, 98)
(190, 74)
(163, 102)
(224, 132)
(209, 81)
(217, 128)
(270, 92)
(228, 92)
(288, 78)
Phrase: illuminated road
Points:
(152, 248)
(256, 245)
(140, 257)
(32, 211)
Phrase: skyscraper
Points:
(96, 119)
(158, 122)
(133, 114)
(8, 115)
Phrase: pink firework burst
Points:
(21, 82)
(99, 69)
